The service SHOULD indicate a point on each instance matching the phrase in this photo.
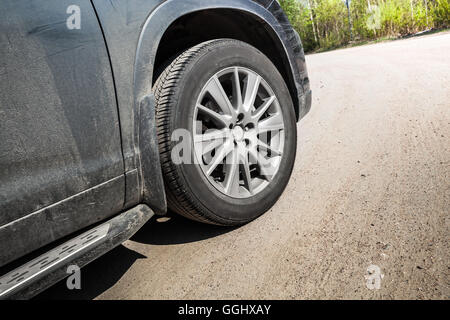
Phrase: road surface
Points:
(371, 187)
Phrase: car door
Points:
(61, 162)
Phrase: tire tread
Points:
(165, 90)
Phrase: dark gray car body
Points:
(77, 132)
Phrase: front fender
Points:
(268, 11)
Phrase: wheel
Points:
(226, 132)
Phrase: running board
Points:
(38, 274)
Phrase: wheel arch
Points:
(224, 19)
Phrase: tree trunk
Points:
(312, 21)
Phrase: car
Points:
(114, 111)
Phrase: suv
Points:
(113, 111)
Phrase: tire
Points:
(190, 191)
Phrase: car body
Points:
(78, 146)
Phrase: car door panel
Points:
(59, 127)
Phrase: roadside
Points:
(381, 40)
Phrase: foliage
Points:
(441, 13)
(324, 24)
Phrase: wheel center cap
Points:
(238, 133)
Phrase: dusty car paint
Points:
(61, 165)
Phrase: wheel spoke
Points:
(224, 119)
(232, 178)
(267, 170)
(267, 148)
(237, 92)
(272, 123)
(262, 109)
(215, 89)
(251, 90)
(218, 158)
(247, 178)
(253, 155)
(211, 135)
(208, 146)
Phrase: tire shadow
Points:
(174, 229)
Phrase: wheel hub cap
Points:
(238, 132)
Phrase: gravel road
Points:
(371, 186)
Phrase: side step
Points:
(38, 274)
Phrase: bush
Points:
(324, 24)
(441, 13)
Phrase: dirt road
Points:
(371, 186)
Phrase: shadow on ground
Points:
(96, 277)
(174, 229)
(103, 273)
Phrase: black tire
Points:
(189, 193)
